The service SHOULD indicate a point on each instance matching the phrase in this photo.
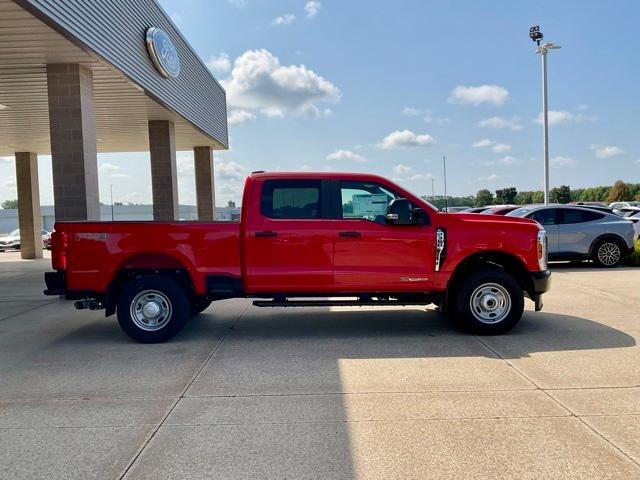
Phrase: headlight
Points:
(542, 249)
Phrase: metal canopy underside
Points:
(123, 109)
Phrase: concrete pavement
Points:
(348, 393)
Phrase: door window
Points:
(578, 216)
(364, 200)
(291, 199)
(546, 216)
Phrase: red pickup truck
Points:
(305, 239)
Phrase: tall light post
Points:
(536, 35)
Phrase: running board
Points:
(336, 303)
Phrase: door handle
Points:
(266, 234)
(350, 234)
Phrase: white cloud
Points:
(345, 155)
(508, 160)
(607, 151)
(582, 106)
(489, 94)
(401, 169)
(176, 17)
(429, 118)
(560, 161)
(286, 19)
(485, 142)
(239, 116)
(219, 64)
(10, 182)
(258, 81)
(405, 138)
(420, 176)
(501, 148)
(184, 165)
(411, 112)
(229, 177)
(6, 159)
(490, 177)
(237, 3)
(312, 8)
(500, 123)
(557, 117)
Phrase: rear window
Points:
(293, 199)
(579, 216)
(519, 212)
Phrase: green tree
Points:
(619, 192)
(231, 204)
(561, 194)
(506, 195)
(483, 197)
(10, 204)
(538, 197)
(524, 198)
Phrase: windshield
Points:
(519, 212)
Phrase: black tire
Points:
(607, 253)
(167, 295)
(491, 288)
(199, 305)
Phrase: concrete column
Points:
(164, 177)
(29, 219)
(72, 127)
(205, 192)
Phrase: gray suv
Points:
(576, 233)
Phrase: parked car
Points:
(620, 205)
(499, 210)
(477, 209)
(633, 215)
(455, 209)
(589, 204)
(578, 233)
(46, 240)
(310, 236)
(12, 240)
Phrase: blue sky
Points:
(390, 88)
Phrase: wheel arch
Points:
(507, 262)
(606, 236)
(148, 263)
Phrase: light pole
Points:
(536, 35)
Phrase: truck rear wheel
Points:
(153, 308)
(489, 302)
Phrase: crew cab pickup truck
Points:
(305, 239)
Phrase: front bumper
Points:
(540, 283)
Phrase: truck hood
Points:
(487, 220)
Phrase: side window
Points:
(546, 216)
(571, 216)
(591, 216)
(295, 199)
(364, 200)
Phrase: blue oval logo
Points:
(163, 53)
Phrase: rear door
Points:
(577, 229)
(370, 255)
(548, 218)
(289, 243)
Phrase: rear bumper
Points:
(541, 281)
(56, 283)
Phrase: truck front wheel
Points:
(153, 308)
(489, 302)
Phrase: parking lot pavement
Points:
(323, 393)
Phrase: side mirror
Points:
(399, 212)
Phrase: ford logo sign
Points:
(163, 53)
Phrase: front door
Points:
(548, 218)
(289, 243)
(370, 255)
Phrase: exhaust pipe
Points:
(88, 304)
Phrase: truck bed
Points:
(96, 251)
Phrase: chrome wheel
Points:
(490, 303)
(150, 310)
(609, 254)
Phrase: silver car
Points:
(577, 233)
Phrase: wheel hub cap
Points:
(609, 254)
(490, 303)
(150, 310)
